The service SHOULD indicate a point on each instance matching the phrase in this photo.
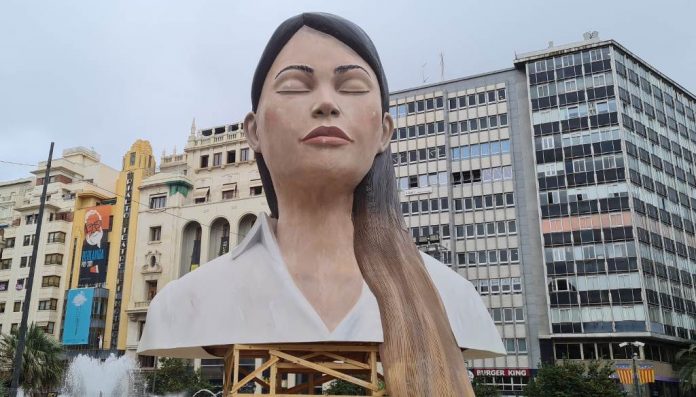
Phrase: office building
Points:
(614, 146)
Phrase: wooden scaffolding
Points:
(311, 364)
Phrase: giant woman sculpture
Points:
(334, 262)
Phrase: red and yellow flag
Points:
(646, 374)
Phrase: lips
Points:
(327, 135)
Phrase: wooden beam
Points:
(274, 377)
(258, 380)
(347, 360)
(327, 364)
(237, 385)
(235, 366)
(373, 372)
(316, 347)
(323, 369)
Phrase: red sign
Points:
(501, 371)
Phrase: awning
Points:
(229, 186)
(201, 192)
(255, 183)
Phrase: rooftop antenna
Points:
(442, 66)
(425, 78)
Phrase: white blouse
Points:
(249, 297)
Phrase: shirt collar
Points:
(260, 233)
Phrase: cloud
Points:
(103, 74)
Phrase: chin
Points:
(331, 170)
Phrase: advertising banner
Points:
(78, 313)
(95, 247)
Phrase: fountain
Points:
(89, 376)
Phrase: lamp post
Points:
(640, 346)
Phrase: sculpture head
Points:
(320, 70)
(319, 106)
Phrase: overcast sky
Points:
(102, 74)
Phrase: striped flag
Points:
(625, 374)
(646, 374)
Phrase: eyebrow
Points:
(303, 68)
(307, 69)
(345, 68)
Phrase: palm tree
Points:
(686, 362)
(42, 368)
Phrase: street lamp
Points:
(640, 346)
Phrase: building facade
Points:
(614, 146)
(562, 189)
(460, 151)
(104, 232)
(78, 169)
(201, 203)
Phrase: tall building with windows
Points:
(461, 154)
(78, 169)
(562, 188)
(200, 204)
(614, 145)
(102, 252)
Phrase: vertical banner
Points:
(122, 251)
(78, 314)
(95, 247)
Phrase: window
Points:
(156, 233)
(547, 142)
(256, 190)
(151, 289)
(9, 242)
(48, 304)
(231, 156)
(50, 281)
(24, 261)
(217, 159)
(2, 307)
(6, 264)
(503, 119)
(522, 345)
(516, 284)
(602, 107)
(54, 259)
(56, 237)
(204, 161)
(14, 327)
(571, 85)
(158, 202)
(17, 306)
(230, 193)
(501, 94)
(244, 154)
(598, 80)
(509, 345)
(29, 239)
(3, 285)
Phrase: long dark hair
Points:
(420, 354)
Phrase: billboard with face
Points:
(95, 247)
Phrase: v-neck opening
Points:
(272, 244)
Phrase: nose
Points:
(325, 107)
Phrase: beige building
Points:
(78, 170)
(200, 204)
